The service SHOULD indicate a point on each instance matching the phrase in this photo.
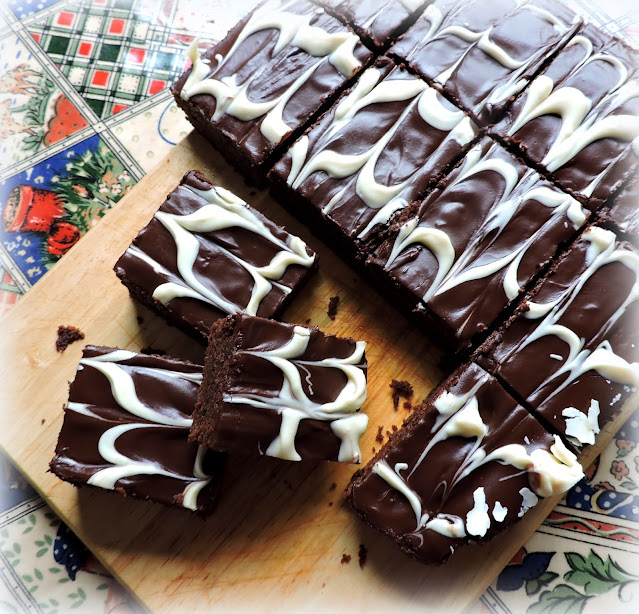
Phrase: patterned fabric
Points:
(84, 114)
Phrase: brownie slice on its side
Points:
(378, 22)
(281, 390)
(385, 143)
(471, 247)
(206, 253)
(126, 428)
(480, 53)
(267, 80)
(577, 121)
(466, 465)
(571, 351)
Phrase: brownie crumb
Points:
(42, 421)
(333, 307)
(374, 450)
(66, 336)
(151, 351)
(362, 555)
(380, 435)
(330, 504)
(333, 486)
(408, 405)
(402, 389)
(346, 559)
(140, 319)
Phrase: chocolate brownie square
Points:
(467, 252)
(466, 465)
(126, 428)
(578, 121)
(273, 73)
(388, 140)
(571, 351)
(281, 390)
(483, 53)
(206, 253)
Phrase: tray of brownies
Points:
(382, 303)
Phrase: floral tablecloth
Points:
(84, 113)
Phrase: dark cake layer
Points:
(385, 142)
(571, 351)
(462, 255)
(483, 53)
(206, 253)
(466, 465)
(377, 22)
(578, 120)
(271, 75)
(281, 390)
(126, 428)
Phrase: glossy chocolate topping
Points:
(378, 22)
(466, 465)
(380, 147)
(271, 73)
(287, 391)
(206, 253)
(126, 428)
(579, 118)
(477, 53)
(624, 212)
(578, 342)
(471, 246)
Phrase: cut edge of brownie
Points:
(219, 360)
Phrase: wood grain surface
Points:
(277, 538)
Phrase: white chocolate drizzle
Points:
(582, 427)
(225, 210)
(455, 270)
(482, 40)
(359, 169)
(294, 405)
(125, 395)
(550, 471)
(581, 124)
(232, 98)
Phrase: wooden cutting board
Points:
(278, 536)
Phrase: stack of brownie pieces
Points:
(475, 161)
(156, 428)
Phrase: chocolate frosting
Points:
(151, 449)
(272, 73)
(268, 358)
(399, 145)
(474, 244)
(437, 459)
(585, 86)
(489, 58)
(226, 261)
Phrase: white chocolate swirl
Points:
(358, 170)
(294, 405)
(232, 98)
(551, 471)
(125, 395)
(225, 210)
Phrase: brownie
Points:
(466, 465)
(126, 428)
(483, 53)
(574, 342)
(577, 121)
(267, 80)
(468, 251)
(206, 253)
(281, 390)
(389, 139)
(377, 22)
(623, 212)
